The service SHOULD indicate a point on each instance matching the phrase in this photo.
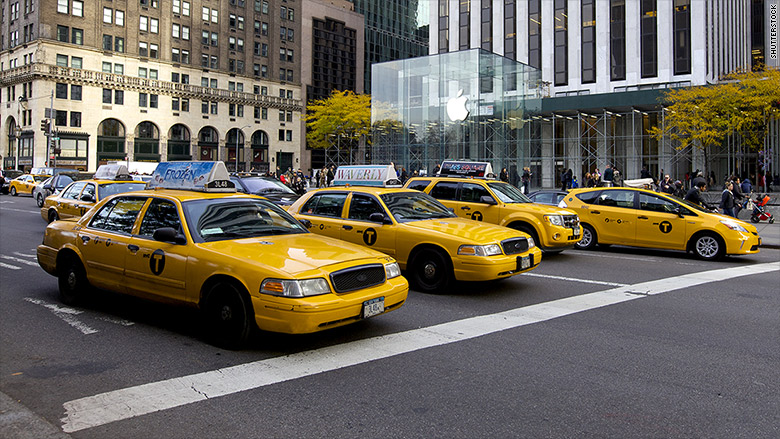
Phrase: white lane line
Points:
(574, 279)
(11, 267)
(66, 314)
(116, 321)
(93, 411)
(19, 260)
(24, 255)
(21, 210)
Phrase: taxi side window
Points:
(73, 192)
(118, 215)
(89, 190)
(655, 204)
(588, 197)
(471, 193)
(445, 190)
(159, 214)
(362, 206)
(419, 185)
(617, 199)
(325, 205)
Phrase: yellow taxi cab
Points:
(80, 196)
(25, 183)
(471, 191)
(245, 262)
(431, 244)
(643, 218)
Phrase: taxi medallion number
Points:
(373, 307)
(576, 231)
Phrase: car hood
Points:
(292, 255)
(469, 231)
(541, 209)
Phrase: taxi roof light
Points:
(112, 172)
(455, 168)
(194, 176)
(367, 175)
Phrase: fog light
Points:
(557, 236)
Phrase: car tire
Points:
(13, 192)
(708, 247)
(229, 316)
(53, 216)
(588, 240)
(72, 281)
(430, 271)
(39, 200)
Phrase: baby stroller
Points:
(759, 211)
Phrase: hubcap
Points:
(585, 241)
(226, 313)
(429, 270)
(707, 246)
(72, 280)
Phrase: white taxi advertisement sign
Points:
(366, 175)
(452, 168)
(204, 176)
(110, 172)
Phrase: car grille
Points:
(356, 278)
(571, 221)
(514, 246)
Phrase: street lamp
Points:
(237, 136)
(18, 135)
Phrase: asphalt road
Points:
(614, 343)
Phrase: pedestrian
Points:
(526, 178)
(436, 170)
(747, 187)
(739, 197)
(698, 179)
(694, 195)
(644, 173)
(617, 178)
(331, 174)
(608, 176)
(574, 184)
(727, 200)
(322, 180)
(666, 186)
(503, 175)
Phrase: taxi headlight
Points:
(480, 250)
(531, 243)
(556, 220)
(733, 226)
(392, 270)
(295, 288)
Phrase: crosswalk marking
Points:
(104, 408)
(24, 255)
(9, 266)
(66, 314)
(19, 260)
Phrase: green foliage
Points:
(704, 116)
(343, 114)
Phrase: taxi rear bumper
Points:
(313, 314)
(477, 268)
(47, 258)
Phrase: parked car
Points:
(267, 187)
(25, 183)
(6, 175)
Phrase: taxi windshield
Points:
(222, 219)
(107, 189)
(508, 193)
(689, 205)
(414, 206)
(40, 178)
(260, 185)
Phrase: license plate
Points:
(373, 307)
(576, 231)
(525, 262)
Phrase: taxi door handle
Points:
(642, 217)
(466, 208)
(133, 248)
(85, 239)
(595, 212)
(345, 227)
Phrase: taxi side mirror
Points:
(678, 211)
(306, 223)
(378, 217)
(88, 198)
(47, 186)
(169, 234)
(487, 199)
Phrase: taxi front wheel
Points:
(588, 240)
(708, 247)
(228, 316)
(39, 200)
(72, 281)
(13, 191)
(430, 271)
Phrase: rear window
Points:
(418, 185)
(445, 190)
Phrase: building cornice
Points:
(69, 75)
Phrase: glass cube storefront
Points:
(466, 105)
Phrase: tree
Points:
(343, 114)
(704, 116)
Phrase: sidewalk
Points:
(770, 234)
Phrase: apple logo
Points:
(456, 107)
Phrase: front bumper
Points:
(560, 238)
(744, 244)
(486, 268)
(313, 314)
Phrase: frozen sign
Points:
(369, 175)
(192, 176)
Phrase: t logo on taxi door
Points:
(665, 226)
(476, 216)
(157, 262)
(369, 236)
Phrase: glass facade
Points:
(470, 105)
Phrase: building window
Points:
(153, 100)
(108, 15)
(143, 72)
(119, 44)
(465, 25)
(561, 42)
(77, 36)
(106, 67)
(119, 18)
(143, 49)
(486, 25)
(649, 36)
(63, 33)
(119, 97)
(77, 8)
(176, 31)
(62, 6)
(617, 40)
(108, 42)
(143, 23)
(60, 118)
(62, 60)
(75, 118)
(119, 69)
(75, 92)
(175, 55)
(76, 62)
(143, 99)
(107, 93)
(682, 37)
(153, 51)
(535, 33)
(61, 91)
(588, 41)
(510, 29)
